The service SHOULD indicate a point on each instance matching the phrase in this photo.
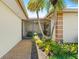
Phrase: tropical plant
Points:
(37, 40)
(59, 51)
(64, 51)
(37, 5)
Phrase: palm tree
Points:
(58, 7)
(36, 6)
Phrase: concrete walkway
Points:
(21, 51)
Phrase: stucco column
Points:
(59, 27)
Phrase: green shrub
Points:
(65, 51)
(58, 51)
(29, 34)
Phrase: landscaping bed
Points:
(56, 50)
(69, 51)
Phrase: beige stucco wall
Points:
(70, 27)
(30, 26)
(10, 29)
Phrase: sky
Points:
(43, 13)
(70, 4)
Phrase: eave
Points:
(15, 7)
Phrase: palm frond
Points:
(60, 5)
(36, 5)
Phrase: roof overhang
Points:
(23, 7)
(70, 10)
(15, 7)
(50, 15)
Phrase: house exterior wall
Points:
(30, 26)
(70, 27)
(10, 29)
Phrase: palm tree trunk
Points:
(39, 23)
(54, 23)
(52, 30)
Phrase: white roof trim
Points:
(12, 4)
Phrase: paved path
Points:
(21, 51)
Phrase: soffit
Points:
(15, 7)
